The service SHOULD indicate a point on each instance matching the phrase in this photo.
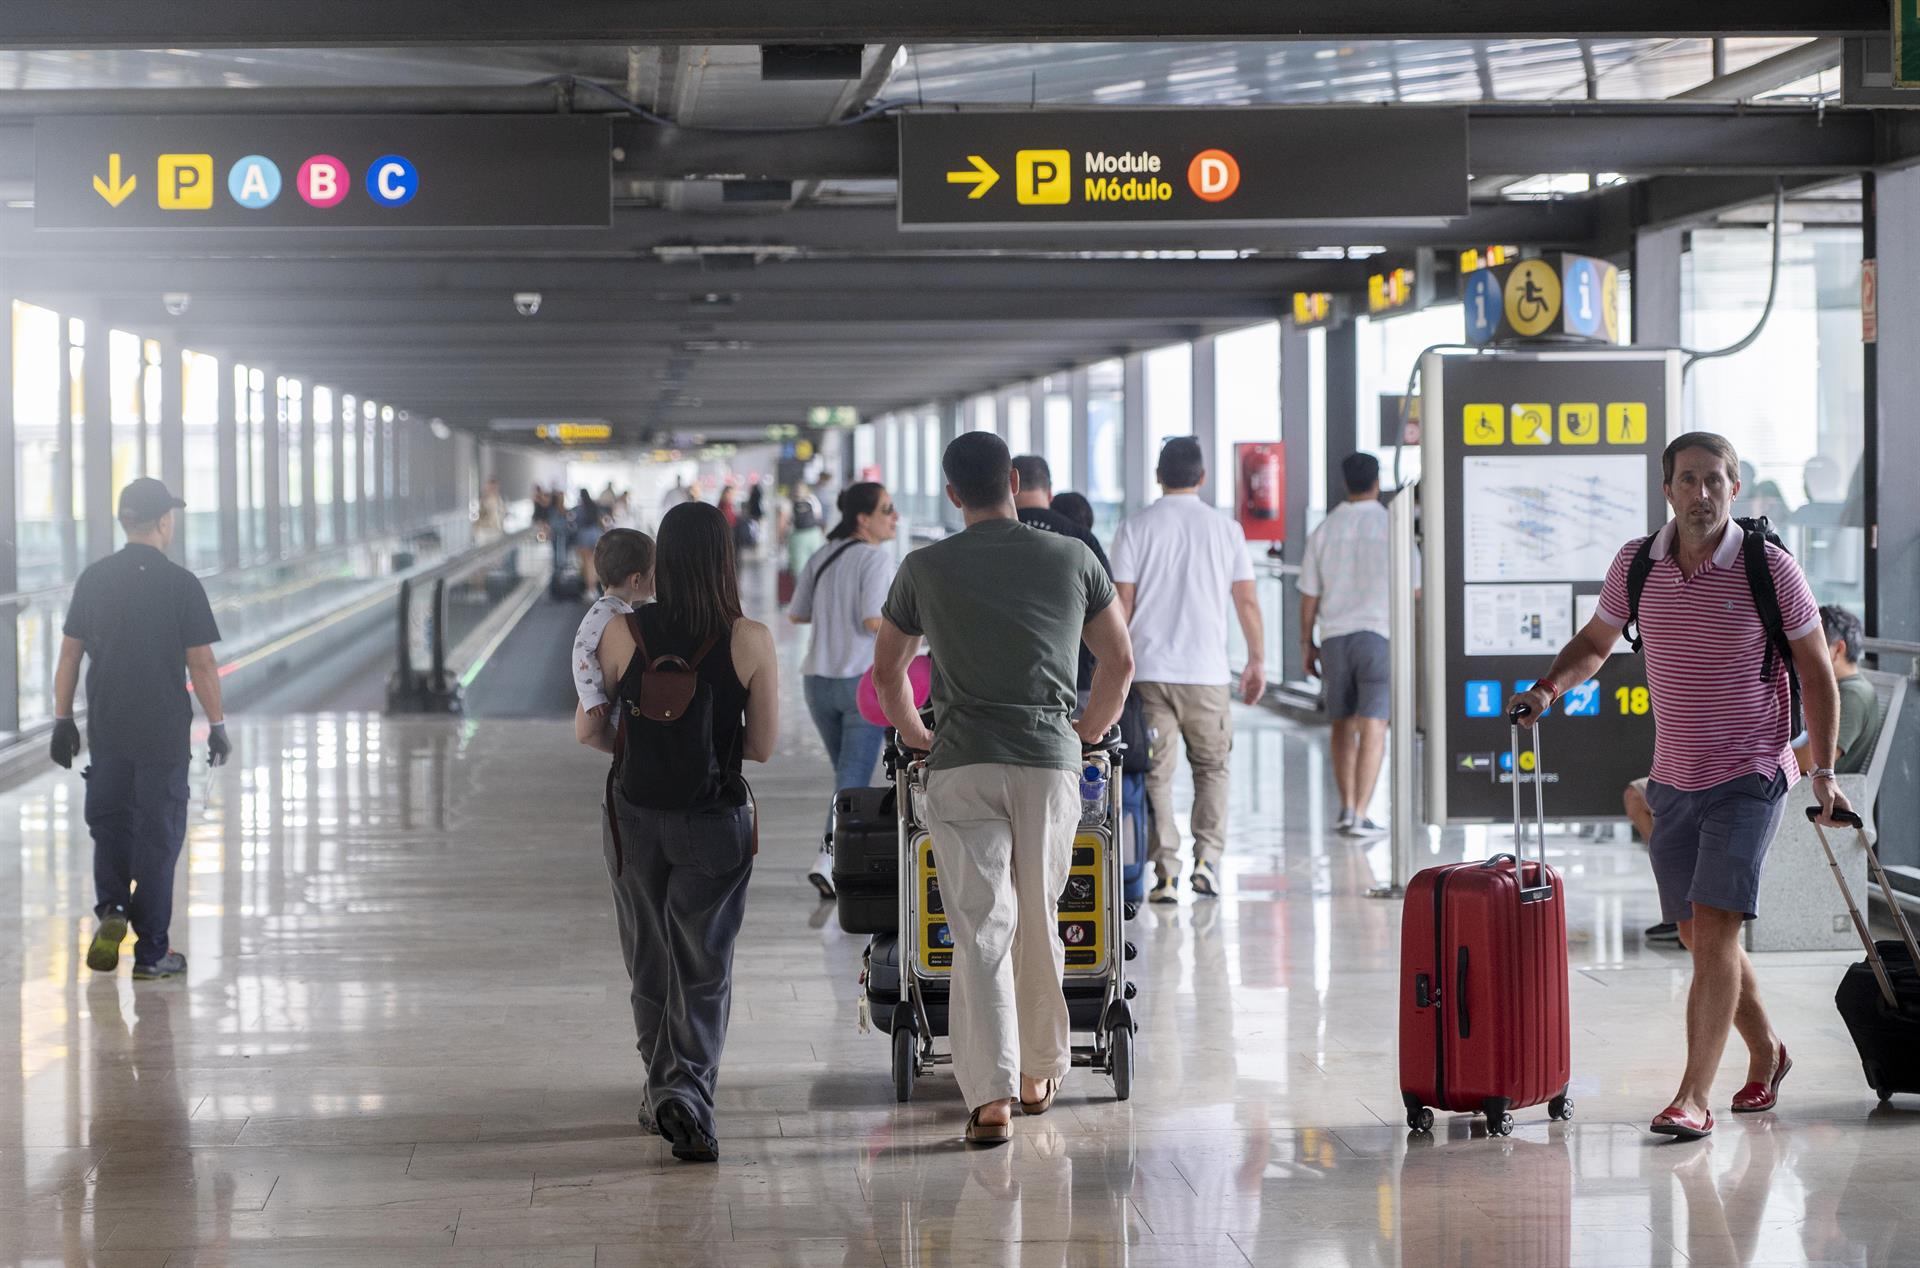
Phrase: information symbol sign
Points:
(1483, 698)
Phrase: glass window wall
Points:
(1105, 489)
(36, 424)
(200, 411)
(150, 407)
(1019, 418)
(1793, 402)
(76, 375)
(322, 424)
(1246, 398)
(1387, 351)
(1169, 386)
(1057, 432)
(290, 410)
(126, 406)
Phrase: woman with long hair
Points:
(839, 593)
(585, 525)
(680, 850)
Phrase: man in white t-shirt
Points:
(1179, 566)
(1343, 585)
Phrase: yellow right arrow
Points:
(982, 177)
(113, 189)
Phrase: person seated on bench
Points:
(1859, 705)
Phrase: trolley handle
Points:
(1108, 743)
(1847, 817)
(1528, 893)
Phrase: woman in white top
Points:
(839, 593)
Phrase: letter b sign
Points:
(323, 181)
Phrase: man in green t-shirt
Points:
(1859, 728)
(1004, 608)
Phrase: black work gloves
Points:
(66, 742)
(219, 747)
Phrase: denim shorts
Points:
(1708, 846)
(1356, 675)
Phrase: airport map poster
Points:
(1536, 467)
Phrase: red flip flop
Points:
(1673, 1121)
(1755, 1098)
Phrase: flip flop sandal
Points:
(979, 1133)
(1045, 1103)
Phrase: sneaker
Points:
(1663, 933)
(103, 954)
(1205, 883)
(1364, 827)
(1166, 889)
(172, 964)
(822, 873)
(1344, 822)
(690, 1143)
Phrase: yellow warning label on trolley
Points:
(1082, 908)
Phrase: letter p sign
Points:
(1042, 177)
(323, 181)
(186, 182)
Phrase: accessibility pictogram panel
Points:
(1222, 165)
(321, 172)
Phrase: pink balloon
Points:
(919, 675)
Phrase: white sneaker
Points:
(822, 873)
(1364, 827)
(1166, 889)
(1344, 822)
(1204, 882)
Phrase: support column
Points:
(1656, 286)
(1079, 394)
(1218, 490)
(337, 441)
(309, 509)
(1892, 466)
(173, 440)
(953, 421)
(1036, 391)
(64, 475)
(1136, 457)
(1296, 427)
(1343, 403)
(96, 399)
(9, 548)
(377, 520)
(227, 441)
(273, 460)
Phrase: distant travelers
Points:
(839, 594)
(730, 513)
(1034, 502)
(1004, 608)
(677, 495)
(696, 697)
(144, 627)
(1721, 690)
(753, 517)
(490, 516)
(584, 529)
(559, 527)
(1859, 728)
(1344, 586)
(1180, 566)
(624, 563)
(804, 529)
(1076, 508)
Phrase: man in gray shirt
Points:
(1005, 607)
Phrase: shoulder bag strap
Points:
(1637, 573)
(1766, 600)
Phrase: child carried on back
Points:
(623, 559)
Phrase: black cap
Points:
(146, 500)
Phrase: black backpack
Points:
(806, 513)
(1756, 534)
(663, 754)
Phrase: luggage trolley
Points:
(907, 976)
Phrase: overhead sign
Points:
(1312, 308)
(574, 433)
(1227, 166)
(1906, 44)
(1390, 291)
(1537, 467)
(1552, 297)
(833, 416)
(320, 172)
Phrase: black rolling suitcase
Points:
(1879, 998)
(866, 859)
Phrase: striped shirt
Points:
(1713, 718)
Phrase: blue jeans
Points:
(137, 812)
(853, 743)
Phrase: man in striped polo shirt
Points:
(1721, 761)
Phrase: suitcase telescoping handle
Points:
(1879, 967)
(1544, 888)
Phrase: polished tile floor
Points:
(404, 1040)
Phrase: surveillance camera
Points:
(176, 303)
(526, 303)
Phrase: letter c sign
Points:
(392, 181)
(1213, 175)
(323, 181)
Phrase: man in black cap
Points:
(144, 625)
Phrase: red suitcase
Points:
(1483, 981)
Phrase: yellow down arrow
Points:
(982, 177)
(113, 189)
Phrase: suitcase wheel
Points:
(1884, 1093)
(1120, 1061)
(1560, 1107)
(903, 1064)
(1420, 1119)
(1501, 1126)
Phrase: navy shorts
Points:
(1708, 846)
(1356, 676)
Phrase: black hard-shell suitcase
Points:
(1879, 998)
(866, 859)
